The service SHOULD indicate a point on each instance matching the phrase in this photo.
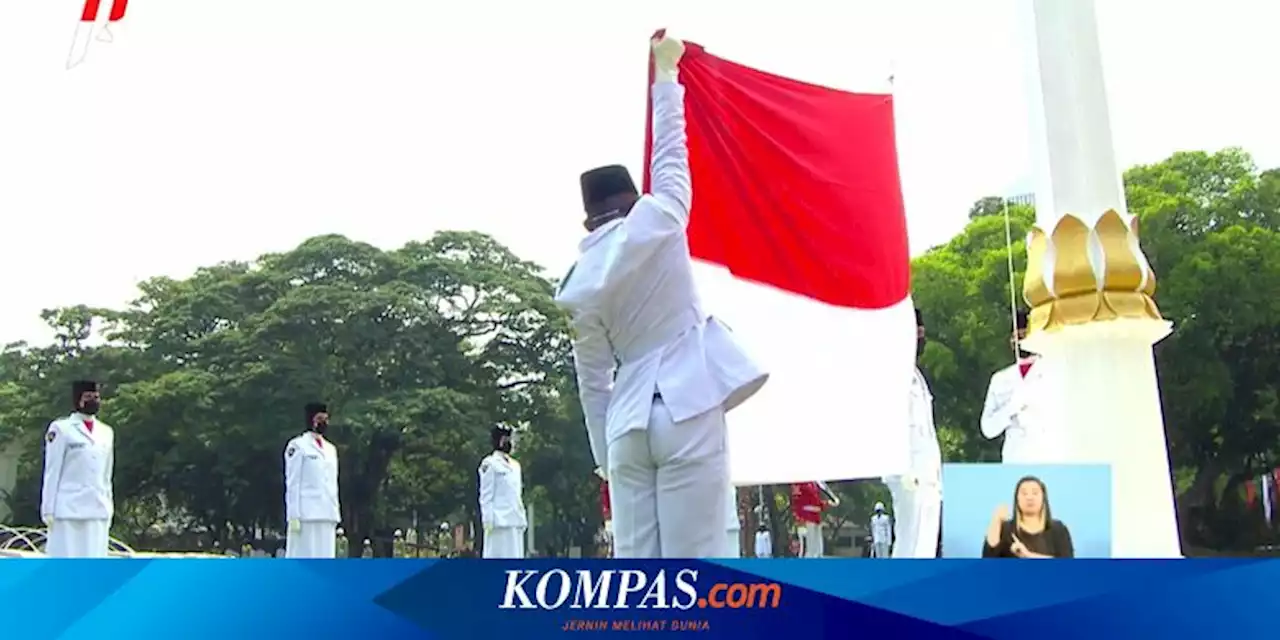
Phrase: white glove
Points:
(295, 525)
(666, 58)
(48, 520)
(601, 474)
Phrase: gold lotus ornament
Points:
(1078, 274)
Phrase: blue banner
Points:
(473, 599)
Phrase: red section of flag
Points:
(90, 11)
(795, 185)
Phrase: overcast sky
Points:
(211, 131)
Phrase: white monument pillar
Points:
(1089, 285)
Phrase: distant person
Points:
(1032, 532)
(502, 498)
(311, 489)
(1013, 407)
(808, 501)
(764, 542)
(76, 498)
(917, 494)
(881, 532)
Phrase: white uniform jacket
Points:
(881, 528)
(502, 492)
(764, 544)
(78, 469)
(926, 452)
(1016, 408)
(636, 312)
(311, 480)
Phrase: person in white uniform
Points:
(764, 542)
(1012, 408)
(76, 498)
(311, 489)
(917, 495)
(658, 430)
(881, 532)
(733, 535)
(502, 498)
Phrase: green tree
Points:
(418, 351)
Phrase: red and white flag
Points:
(798, 232)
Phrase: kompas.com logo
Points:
(631, 589)
(87, 29)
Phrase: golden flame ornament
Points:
(1077, 274)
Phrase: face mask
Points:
(320, 428)
(1022, 353)
(504, 445)
(90, 407)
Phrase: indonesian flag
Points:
(798, 233)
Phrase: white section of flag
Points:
(836, 406)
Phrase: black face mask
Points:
(90, 407)
(504, 445)
(920, 342)
(320, 428)
(1023, 353)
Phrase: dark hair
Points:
(1044, 492)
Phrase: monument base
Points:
(1107, 397)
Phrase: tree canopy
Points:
(419, 350)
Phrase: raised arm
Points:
(55, 451)
(998, 410)
(593, 360)
(671, 187)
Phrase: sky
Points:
(211, 131)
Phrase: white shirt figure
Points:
(1017, 408)
(733, 534)
(502, 499)
(658, 431)
(76, 497)
(764, 543)
(917, 496)
(881, 532)
(311, 490)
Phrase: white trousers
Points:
(811, 543)
(504, 542)
(313, 540)
(667, 485)
(880, 549)
(732, 544)
(78, 539)
(917, 518)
